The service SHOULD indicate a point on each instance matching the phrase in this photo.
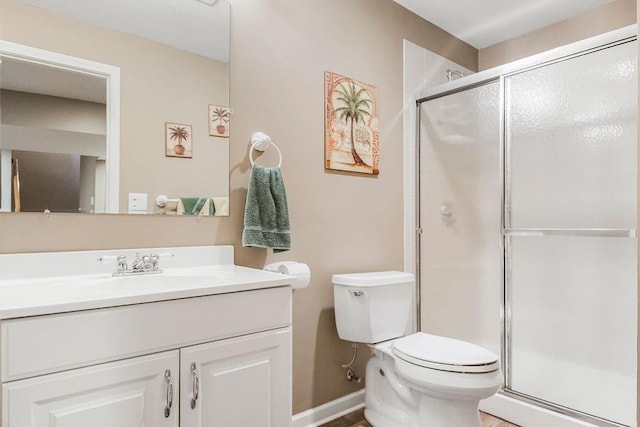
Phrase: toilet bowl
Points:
(418, 380)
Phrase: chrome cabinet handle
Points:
(167, 409)
(195, 386)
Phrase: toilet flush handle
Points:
(357, 293)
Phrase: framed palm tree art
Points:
(219, 121)
(178, 141)
(351, 125)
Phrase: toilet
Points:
(418, 380)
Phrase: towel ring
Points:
(253, 147)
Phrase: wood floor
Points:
(491, 421)
(356, 419)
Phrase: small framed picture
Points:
(219, 121)
(178, 140)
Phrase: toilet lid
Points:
(446, 354)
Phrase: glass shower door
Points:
(570, 219)
(460, 215)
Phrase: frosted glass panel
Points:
(460, 216)
(573, 323)
(571, 139)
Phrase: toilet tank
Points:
(372, 307)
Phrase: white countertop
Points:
(59, 291)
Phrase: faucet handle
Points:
(120, 260)
(121, 264)
(155, 260)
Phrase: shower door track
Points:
(569, 412)
(498, 74)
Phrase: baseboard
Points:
(329, 411)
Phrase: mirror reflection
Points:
(53, 139)
(70, 143)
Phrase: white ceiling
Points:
(197, 26)
(483, 23)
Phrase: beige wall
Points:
(340, 222)
(600, 20)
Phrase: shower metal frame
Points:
(499, 74)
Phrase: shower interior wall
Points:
(423, 69)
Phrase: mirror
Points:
(97, 96)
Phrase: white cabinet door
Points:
(238, 382)
(129, 393)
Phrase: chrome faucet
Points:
(145, 264)
(141, 264)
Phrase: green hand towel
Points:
(266, 213)
(193, 205)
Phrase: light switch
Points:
(137, 203)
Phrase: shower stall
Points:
(526, 224)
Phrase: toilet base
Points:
(459, 420)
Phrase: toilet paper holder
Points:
(299, 270)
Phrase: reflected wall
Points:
(159, 84)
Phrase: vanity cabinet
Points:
(217, 360)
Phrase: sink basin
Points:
(163, 280)
(98, 285)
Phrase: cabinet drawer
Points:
(44, 344)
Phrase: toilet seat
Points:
(445, 354)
